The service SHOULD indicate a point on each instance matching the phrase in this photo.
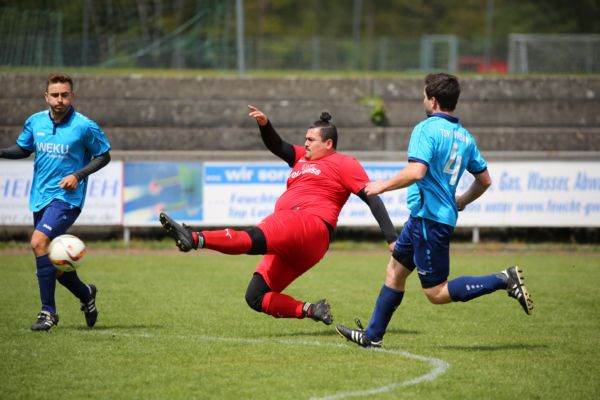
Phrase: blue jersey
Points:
(447, 149)
(60, 150)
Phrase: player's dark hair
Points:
(326, 128)
(445, 88)
(59, 77)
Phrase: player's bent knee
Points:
(438, 294)
(39, 246)
(255, 293)
(405, 260)
(434, 299)
(254, 302)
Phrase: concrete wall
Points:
(210, 114)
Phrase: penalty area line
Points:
(438, 366)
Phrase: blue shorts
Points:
(54, 219)
(425, 244)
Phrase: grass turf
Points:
(176, 326)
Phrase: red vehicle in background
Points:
(481, 66)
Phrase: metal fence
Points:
(575, 53)
(207, 40)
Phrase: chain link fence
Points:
(574, 53)
(120, 37)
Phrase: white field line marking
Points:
(438, 366)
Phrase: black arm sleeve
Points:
(14, 152)
(276, 145)
(381, 215)
(94, 165)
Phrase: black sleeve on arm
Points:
(381, 215)
(94, 165)
(276, 145)
(14, 152)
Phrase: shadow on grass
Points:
(114, 327)
(333, 332)
(308, 333)
(497, 347)
(403, 331)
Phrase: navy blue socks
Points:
(388, 300)
(466, 288)
(71, 281)
(46, 275)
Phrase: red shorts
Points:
(296, 241)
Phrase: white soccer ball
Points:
(66, 252)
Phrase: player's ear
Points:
(329, 144)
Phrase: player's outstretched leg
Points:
(320, 311)
(357, 336)
(183, 234)
(516, 289)
(45, 321)
(90, 312)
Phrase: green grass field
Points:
(176, 326)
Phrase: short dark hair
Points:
(326, 128)
(445, 88)
(59, 77)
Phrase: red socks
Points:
(227, 241)
(281, 305)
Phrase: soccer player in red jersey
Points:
(296, 236)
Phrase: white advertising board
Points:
(537, 194)
(241, 194)
(103, 204)
(525, 194)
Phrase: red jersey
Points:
(322, 187)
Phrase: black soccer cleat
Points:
(320, 311)
(45, 321)
(516, 289)
(89, 309)
(181, 233)
(357, 336)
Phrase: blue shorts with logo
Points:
(54, 219)
(425, 244)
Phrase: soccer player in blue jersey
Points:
(439, 151)
(68, 147)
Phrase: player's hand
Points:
(374, 188)
(391, 246)
(69, 182)
(258, 115)
(459, 203)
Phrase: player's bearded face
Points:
(59, 97)
(427, 103)
(315, 146)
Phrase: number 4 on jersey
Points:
(453, 170)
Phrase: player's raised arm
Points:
(271, 138)
(258, 115)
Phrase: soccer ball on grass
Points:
(66, 252)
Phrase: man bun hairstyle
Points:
(325, 116)
(445, 88)
(326, 128)
(59, 77)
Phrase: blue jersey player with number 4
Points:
(439, 151)
(68, 147)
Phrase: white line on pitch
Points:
(438, 366)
